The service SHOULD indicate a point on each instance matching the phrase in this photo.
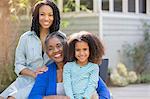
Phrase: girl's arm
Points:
(67, 80)
(93, 82)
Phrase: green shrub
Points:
(145, 78)
(139, 54)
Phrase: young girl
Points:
(81, 74)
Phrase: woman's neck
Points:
(43, 34)
(60, 66)
(43, 31)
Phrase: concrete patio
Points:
(138, 91)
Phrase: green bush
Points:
(139, 54)
(145, 78)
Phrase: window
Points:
(105, 5)
(68, 5)
(131, 5)
(118, 5)
(86, 4)
(142, 6)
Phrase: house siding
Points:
(77, 24)
(118, 29)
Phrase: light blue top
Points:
(28, 55)
(80, 81)
(46, 84)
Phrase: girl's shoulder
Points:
(90, 63)
(69, 64)
(93, 65)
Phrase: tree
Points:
(4, 43)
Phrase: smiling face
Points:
(55, 50)
(82, 52)
(45, 16)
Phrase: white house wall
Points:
(81, 23)
(119, 29)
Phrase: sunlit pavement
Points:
(138, 91)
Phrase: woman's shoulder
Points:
(25, 36)
(51, 65)
(51, 69)
(27, 33)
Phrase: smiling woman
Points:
(55, 47)
(46, 16)
(30, 57)
(50, 84)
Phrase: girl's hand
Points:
(41, 70)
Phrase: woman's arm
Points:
(39, 88)
(20, 56)
(20, 60)
(33, 74)
(28, 72)
(102, 90)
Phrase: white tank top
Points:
(60, 89)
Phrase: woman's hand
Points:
(41, 70)
(28, 72)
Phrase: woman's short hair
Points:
(62, 39)
(35, 17)
(96, 47)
